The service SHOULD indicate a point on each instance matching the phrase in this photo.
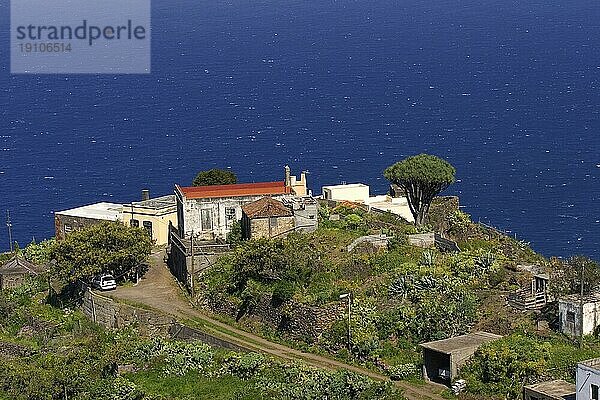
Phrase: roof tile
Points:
(265, 208)
(236, 190)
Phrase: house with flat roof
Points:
(157, 216)
(552, 390)
(578, 316)
(442, 359)
(586, 387)
(354, 192)
(81, 217)
(588, 380)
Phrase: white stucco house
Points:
(571, 320)
(588, 380)
(355, 192)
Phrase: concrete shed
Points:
(552, 390)
(442, 359)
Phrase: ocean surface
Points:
(507, 91)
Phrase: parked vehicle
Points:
(104, 282)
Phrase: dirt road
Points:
(158, 290)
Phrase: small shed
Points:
(14, 272)
(266, 218)
(570, 318)
(552, 390)
(535, 295)
(442, 359)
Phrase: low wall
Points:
(294, 319)
(182, 332)
(114, 315)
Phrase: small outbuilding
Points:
(552, 390)
(266, 218)
(14, 272)
(442, 359)
(570, 318)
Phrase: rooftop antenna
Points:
(9, 226)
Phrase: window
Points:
(134, 223)
(148, 228)
(230, 213)
(273, 222)
(570, 316)
(206, 219)
(229, 216)
(594, 390)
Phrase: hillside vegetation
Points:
(401, 297)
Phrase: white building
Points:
(570, 317)
(360, 193)
(209, 212)
(355, 192)
(588, 380)
(81, 217)
(394, 205)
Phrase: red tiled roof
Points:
(237, 190)
(265, 208)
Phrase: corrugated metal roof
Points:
(237, 190)
(265, 208)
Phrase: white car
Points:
(104, 282)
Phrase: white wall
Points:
(586, 376)
(591, 317)
(352, 192)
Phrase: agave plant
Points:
(401, 286)
(485, 262)
(428, 258)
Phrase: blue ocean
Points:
(507, 91)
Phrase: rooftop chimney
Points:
(288, 178)
(145, 195)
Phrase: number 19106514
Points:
(45, 47)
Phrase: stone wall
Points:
(441, 208)
(64, 224)
(270, 227)
(114, 315)
(292, 318)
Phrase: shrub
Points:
(283, 291)
(353, 221)
(500, 367)
(403, 371)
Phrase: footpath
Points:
(158, 291)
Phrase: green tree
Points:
(566, 276)
(235, 235)
(503, 366)
(422, 177)
(106, 247)
(215, 176)
(39, 253)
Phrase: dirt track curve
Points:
(159, 291)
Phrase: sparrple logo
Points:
(80, 36)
